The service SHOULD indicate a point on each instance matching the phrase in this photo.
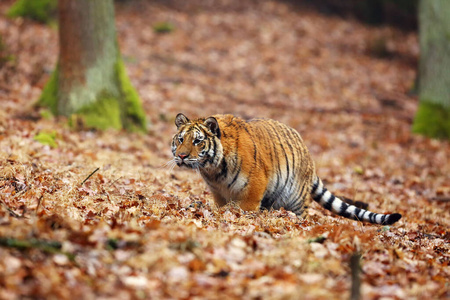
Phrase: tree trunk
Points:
(433, 115)
(90, 81)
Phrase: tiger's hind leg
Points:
(250, 199)
(219, 200)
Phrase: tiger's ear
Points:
(213, 126)
(180, 120)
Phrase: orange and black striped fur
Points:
(258, 164)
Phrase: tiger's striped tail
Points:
(326, 199)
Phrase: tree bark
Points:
(90, 82)
(433, 115)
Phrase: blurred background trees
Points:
(433, 116)
(400, 13)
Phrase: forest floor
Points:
(128, 232)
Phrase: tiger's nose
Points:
(183, 156)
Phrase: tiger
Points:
(260, 164)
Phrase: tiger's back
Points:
(258, 164)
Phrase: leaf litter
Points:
(100, 216)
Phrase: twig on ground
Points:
(89, 176)
(11, 212)
(39, 202)
(441, 198)
(52, 247)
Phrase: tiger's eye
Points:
(197, 141)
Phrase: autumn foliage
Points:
(88, 214)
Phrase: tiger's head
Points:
(197, 142)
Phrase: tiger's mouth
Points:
(182, 163)
(191, 164)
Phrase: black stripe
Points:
(282, 148)
(268, 201)
(277, 184)
(270, 198)
(362, 215)
(277, 164)
(288, 137)
(223, 169)
(303, 188)
(392, 218)
(329, 202)
(383, 218)
(375, 218)
(245, 184)
(297, 188)
(211, 159)
(236, 176)
(285, 153)
(297, 205)
(271, 158)
(357, 211)
(194, 128)
(344, 212)
(236, 154)
(315, 186)
(317, 197)
(371, 214)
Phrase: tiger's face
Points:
(196, 143)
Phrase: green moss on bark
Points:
(39, 10)
(432, 120)
(134, 116)
(49, 96)
(104, 113)
(118, 108)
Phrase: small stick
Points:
(441, 198)
(11, 212)
(355, 293)
(89, 176)
(39, 202)
(114, 181)
(51, 247)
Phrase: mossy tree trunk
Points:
(433, 115)
(90, 82)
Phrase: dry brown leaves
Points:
(136, 229)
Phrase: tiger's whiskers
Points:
(170, 165)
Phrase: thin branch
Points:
(441, 198)
(11, 212)
(51, 247)
(89, 176)
(39, 202)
